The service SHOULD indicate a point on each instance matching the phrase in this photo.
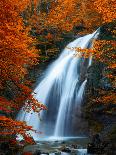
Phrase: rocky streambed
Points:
(59, 146)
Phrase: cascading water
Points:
(61, 90)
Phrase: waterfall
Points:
(61, 90)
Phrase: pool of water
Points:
(58, 146)
(53, 138)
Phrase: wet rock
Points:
(57, 153)
(63, 142)
(66, 149)
(38, 152)
(74, 146)
(27, 153)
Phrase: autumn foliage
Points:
(10, 127)
(105, 52)
(17, 53)
(65, 15)
(14, 43)
(107, 9)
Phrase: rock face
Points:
(99, 146)
(101, 117)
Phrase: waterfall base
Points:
(59, 145)
(53, 138)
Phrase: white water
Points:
(82, 152)
(61, 90)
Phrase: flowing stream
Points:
(62, 91)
